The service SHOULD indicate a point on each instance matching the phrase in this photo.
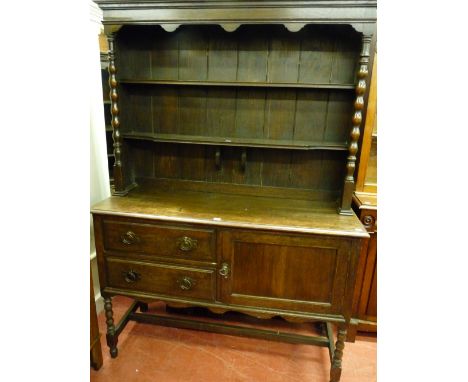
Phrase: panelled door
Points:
(302, 273)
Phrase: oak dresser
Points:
(236, 128)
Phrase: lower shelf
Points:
(242, 142)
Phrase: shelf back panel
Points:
(321, 171)
(253, 53)
(315, 115)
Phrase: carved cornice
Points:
(361, 14)
(132, 4)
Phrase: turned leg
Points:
(111, 337)
(335, 371)
(143, 306)
(352, 331)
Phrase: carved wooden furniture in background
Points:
(365, 300)
(236, 128)
(365, 205)
(95, 336)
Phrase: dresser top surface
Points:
(228, 210)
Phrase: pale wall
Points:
(99, 180)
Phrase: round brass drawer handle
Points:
(129, 238)
(186, 283)
(186, 243)
(131, 276)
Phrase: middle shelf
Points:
(241, 142)
(301, 119)
(258, 84)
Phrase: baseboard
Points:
(99, 303)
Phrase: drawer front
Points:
(161, 279)
(159, 240)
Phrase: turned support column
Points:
(348, 189)
(115, 122)
(111, 336)
(335, 371)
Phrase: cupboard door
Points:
(301, 273)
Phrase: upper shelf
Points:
(242, 142)
(238, 84)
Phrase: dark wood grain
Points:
(193, 47)
(164, 53)
(283, 59)
(161, 279)
(164, 111)
(95, 336)
(111, 335)
(119, 182)
(251, 56)
(367, 171)
(283, 272)
(361, 14)
(236, 129)
(310, 117)
(215, 327)
(280, 112)
(290, 144)
(158, 239)
(240, 84)
(365, 294)
(220, 113)
(157, 201)
(345, 207)
(317, 57)
(335, 372)
(222, 56)
(300, 169)
(192, 111)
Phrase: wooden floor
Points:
(154, 353)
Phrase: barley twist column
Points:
(115, 122)
(345, 207)
(335, 372)
(110, 336)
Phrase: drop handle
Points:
(186, 243)
(129, 238)
(224, 270)
(131, 276)
(186, 283)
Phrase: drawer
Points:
(161, 279)
(159, 240)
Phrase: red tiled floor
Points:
(156, 353)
